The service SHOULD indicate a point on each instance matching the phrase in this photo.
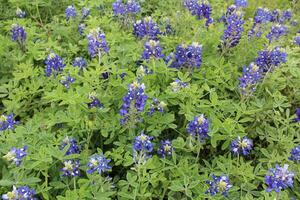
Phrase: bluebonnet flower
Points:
(276, 32)
(118, 8)
(18, 33)
(192, 6)
(219, 184)
(297, 119)
(20, 193)
(146, 28)
(279, 179)
(294, 23)
(202, 10)
(241, 3)
(152, 50)
(133, 102)
(199, 127)
(66, 81)
(7, 122)
(189, 56)
(205, 11)
(71, 168)
(165, 148)
(54, 65)
(98, 163)
(95, 102)
(97, 43)
(133, 7)
(168, 28)
(270, 59)
(261, 17)
(20, 13)
(177, 85)
(157, 105)
(286, 16)
(142, 71)
(85, 12)
(142, 147)
(16, 155)
(169, 58)
(70, 12)
(73, 146)
(81, 28)
(79, 62)
(275, 16)
(297, 40)
(295, 154)
(233, 31)
(143, 142)
(241, 146)
(252, 74)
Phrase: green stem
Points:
(74, 181)
(277, 196)
(198, 148)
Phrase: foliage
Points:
(84, 103)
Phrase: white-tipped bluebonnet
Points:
(66, 81)
(279, 179)
(95, 102)
(54, 65)
(71, 168)
(79, 62)
(262, 16)
(165, 148)
(297, 119)
(189, 56)
(219, 184)
(294, 22)
(192, 6)
(276, 32)
(16, 155)
(133, 103)
(73, 147)
(97, 43)
(143, 143)
(18, 33)
(118, 7)
(146, 28)
(98, 163)
(297, 40)
(85, 12)
(132, 7)
(142, 147)
(143, 71)
(157, 105)
(20, 193)
(286, 15)
(177, 85)
(7, 122)
(241, 146)
(270, 59)
(241, 3)
(233, 30)
(295, 154)
(20, 13)
(152, 49)
(81, 28)
(252, 74)
(199, 128)
(201, 11)
(70, 12)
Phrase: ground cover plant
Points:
(150, 99)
